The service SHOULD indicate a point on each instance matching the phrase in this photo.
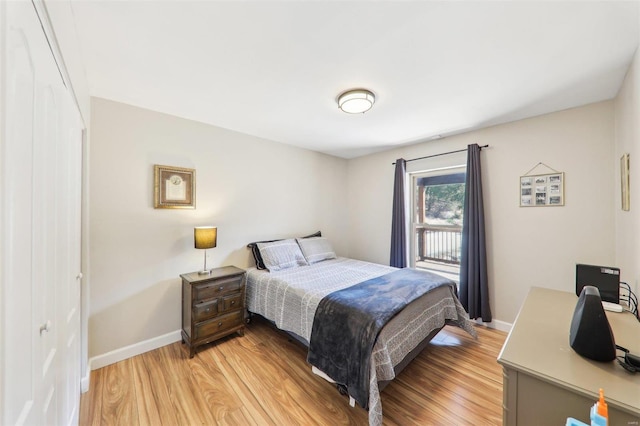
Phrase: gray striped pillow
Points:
(316, 249)
(283, 254)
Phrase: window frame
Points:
(413, 180)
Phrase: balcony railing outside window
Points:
(439, 243)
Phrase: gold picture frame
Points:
(174, 188)
(545, 190)
(624, 183)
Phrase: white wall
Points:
(627, 140)
(526, 246)
(249, 187)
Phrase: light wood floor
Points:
(263, 379)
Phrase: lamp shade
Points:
(205, 237)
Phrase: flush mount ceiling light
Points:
(356, 101)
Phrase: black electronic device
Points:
(605, 278)
(628, 361)
(590, 334)
(633, 360)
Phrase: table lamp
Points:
(205, 237)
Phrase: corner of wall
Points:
(627, 141)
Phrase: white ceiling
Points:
(273, 69)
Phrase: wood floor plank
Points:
(188, 404)
(118, 395)
(279, 393)
(152, 391)
(91, 401)
(148, 410)
(252, 405)
(238, 417)
(214, 389)
(263, 379)
(295, 370)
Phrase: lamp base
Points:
(205, 271)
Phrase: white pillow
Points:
(279, 255)
(316, 249)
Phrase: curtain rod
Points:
(437, 155)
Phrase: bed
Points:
(287, 291)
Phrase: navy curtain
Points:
(474, 286)
(398, 256)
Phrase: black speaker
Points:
(590, 333)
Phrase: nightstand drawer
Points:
(202, 311)
(228, 303)
(219, 324)
(217, 287)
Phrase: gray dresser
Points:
(546, 381)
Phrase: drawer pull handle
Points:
(221, 288)
(208, 310)
(219, 324)
(233, 302)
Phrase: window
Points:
(437, 207)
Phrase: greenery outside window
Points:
(437, 209)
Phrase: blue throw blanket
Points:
(347, 323)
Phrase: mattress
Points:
(289, 299)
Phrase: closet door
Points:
(68, 255)
(40, 254)
(24, 344)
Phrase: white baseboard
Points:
(133, 350)
(497, 324)
(85, 380)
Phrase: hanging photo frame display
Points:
(542, 190)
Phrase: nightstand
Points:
(212, 306)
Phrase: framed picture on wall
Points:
(542, 190)
(174, 187)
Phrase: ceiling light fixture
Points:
(356, 101)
